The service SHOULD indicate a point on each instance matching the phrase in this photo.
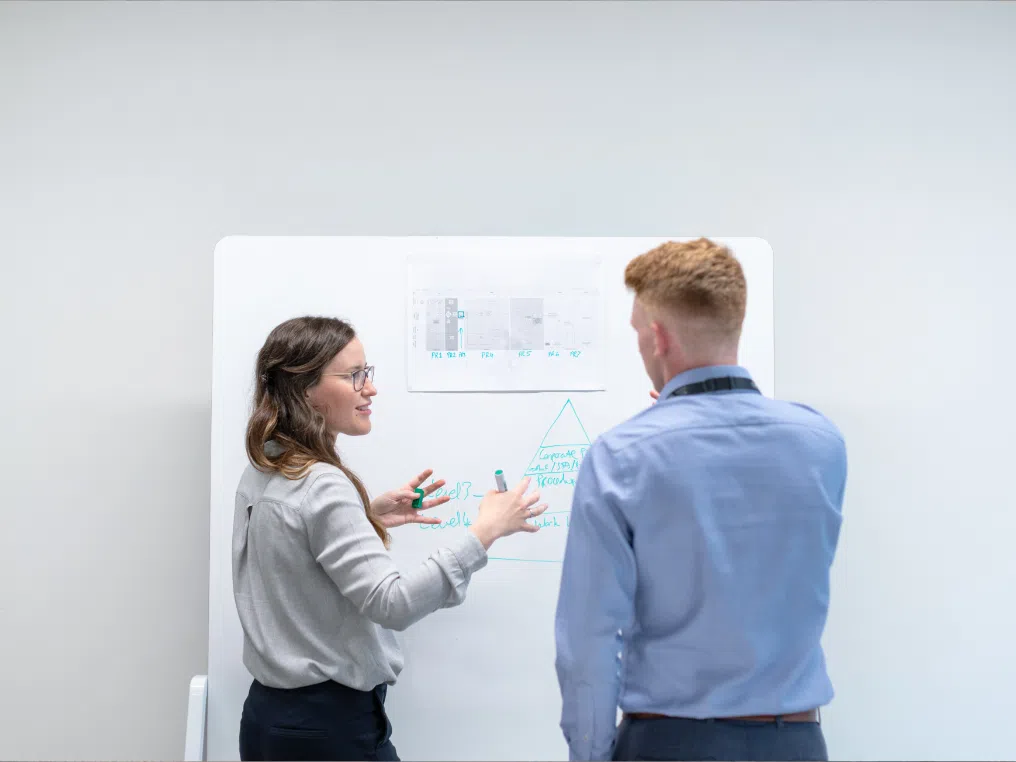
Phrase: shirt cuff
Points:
(469, 552)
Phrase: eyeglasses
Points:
(358, 377)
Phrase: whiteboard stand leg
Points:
(197, 708)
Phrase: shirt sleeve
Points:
(596, 602)
(345, 544)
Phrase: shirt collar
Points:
(701, 374)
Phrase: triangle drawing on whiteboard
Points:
(560, 454)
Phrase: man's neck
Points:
(672, 372)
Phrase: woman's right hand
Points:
(505, 513)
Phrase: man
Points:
(695, 584)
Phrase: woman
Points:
(316, 590)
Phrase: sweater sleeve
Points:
(344, 542)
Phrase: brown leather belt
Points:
(809, 716)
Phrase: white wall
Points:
(869, 143)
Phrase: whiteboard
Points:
(479, 679)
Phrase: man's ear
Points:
(661, 338)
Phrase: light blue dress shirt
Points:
(696, 573)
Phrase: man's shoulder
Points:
(631, 432)
(677, 419)
(800, 414)
(661, 417)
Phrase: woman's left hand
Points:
(395, 508)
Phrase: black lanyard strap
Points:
(710, 385)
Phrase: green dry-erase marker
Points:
(499, 478)
(418, 503)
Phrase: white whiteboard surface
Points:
(479, 680)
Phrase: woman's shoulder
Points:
(325, 474)
(326, 484)
(320, 482)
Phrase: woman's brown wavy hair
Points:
(291, 361)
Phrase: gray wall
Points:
(870, 143)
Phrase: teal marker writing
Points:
(499, 478)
